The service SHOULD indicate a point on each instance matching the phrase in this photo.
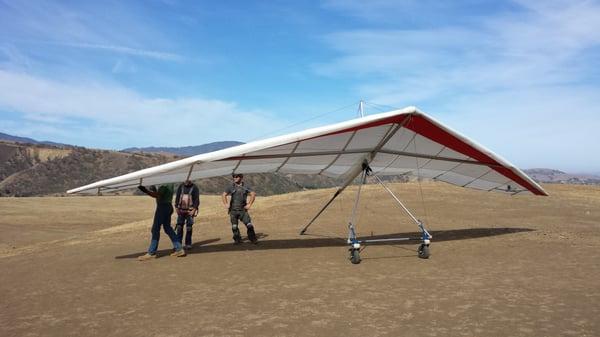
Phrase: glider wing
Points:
(402, 142)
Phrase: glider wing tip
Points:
(414, 109)
(75, 190)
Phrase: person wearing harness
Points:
(162, 217)
(238, 207)
(187, 201)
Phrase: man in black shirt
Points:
(187, 201)
(238, 207)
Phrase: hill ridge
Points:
(186, 150)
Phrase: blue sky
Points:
(520, 77)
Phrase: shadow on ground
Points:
(317, 241)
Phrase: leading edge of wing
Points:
(240, 150)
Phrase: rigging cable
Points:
(381, 107)
(303, 121)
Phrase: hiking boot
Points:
(178, 253)
(237, 239)
(146, 257)
(252, 235)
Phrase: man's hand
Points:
(149, 192)
(224, 200)
(247, 207)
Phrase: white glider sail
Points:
(402, 142)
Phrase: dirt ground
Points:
(499, 266)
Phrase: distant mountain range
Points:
(183, 151)
(558, 177)
(17, 139)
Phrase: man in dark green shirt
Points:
(238, 207)
(162, 217)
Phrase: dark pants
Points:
(162, 217)
(235, 216)
(188, 221)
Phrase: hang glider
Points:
(402, 142)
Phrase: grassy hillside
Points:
(16, 157)
(34, 170)
(37, 170)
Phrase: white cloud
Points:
(126, 118)
(389, 11)
(539, 45)
(123, 66)
(158, 55)
(116, 27)
(12, 57)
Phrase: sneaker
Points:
(237, 239)
(146, 257)
(178, 253)
(187, 247)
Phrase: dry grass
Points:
(27, 221)
(45, 154)
(500, 265)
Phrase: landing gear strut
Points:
(354, 248)
(423, 250)
(355, 244)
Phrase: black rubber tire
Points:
(354, 256)
(423, 251)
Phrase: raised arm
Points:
(153, 194)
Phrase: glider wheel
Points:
(354, 256)
(423, 251)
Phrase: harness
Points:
(186, 202)
(234, 195)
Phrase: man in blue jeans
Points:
(162, 217)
